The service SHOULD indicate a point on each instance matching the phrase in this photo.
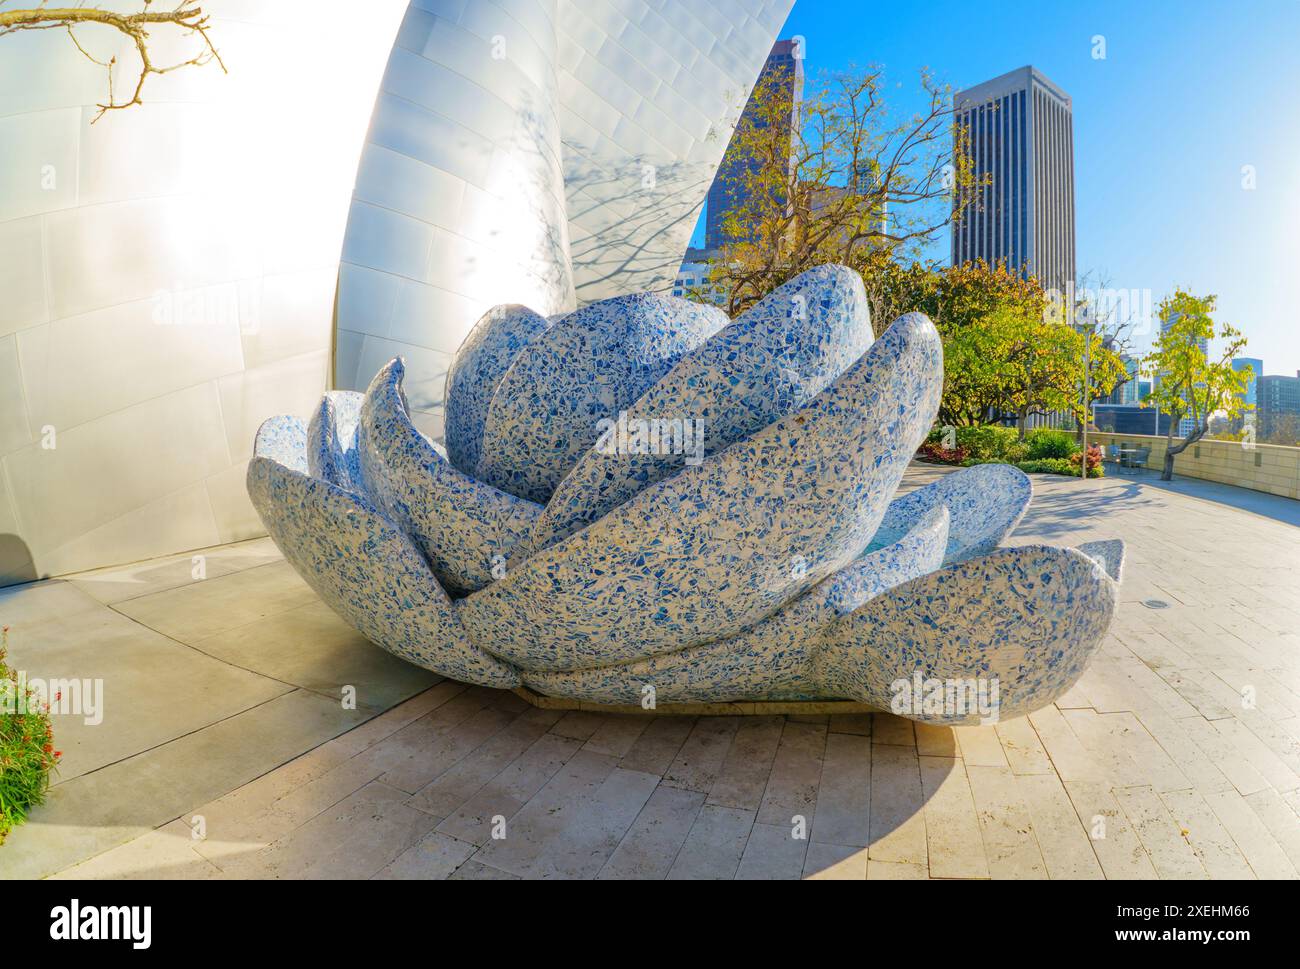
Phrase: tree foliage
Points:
(1186, 381)
(847, 185)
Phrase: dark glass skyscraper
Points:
(784, 66)
(1022, 135)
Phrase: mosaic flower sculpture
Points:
(645, 495)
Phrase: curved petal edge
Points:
(368, 572)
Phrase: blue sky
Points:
(1188, 94)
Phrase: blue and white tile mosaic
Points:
(773, 567)
(466, 529)
(770, 362)
(986, 503)
(1010, 631)
(722, 544)
(588, 366)
(480, 363)
(368, 572)
(332, 440)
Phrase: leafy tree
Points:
(850, 185)
(1186, 382)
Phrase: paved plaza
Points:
(227, 749)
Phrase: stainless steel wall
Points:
(167, 274)
(547, 152)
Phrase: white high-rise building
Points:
(1022, 136)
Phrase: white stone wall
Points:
(167, 275)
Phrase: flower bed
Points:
(1042, 451)
(27, 754)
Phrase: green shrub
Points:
(27, 753)
(1059, 466)
(1044, 443)
(987, 442)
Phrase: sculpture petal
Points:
(771, 660)
(590, 365)
(986, 501)
(368, 572)
(771, 361)
(722, 545)
(465, 528)
(1020, 623)
(480, 363)
(283, 438)
(332, 440)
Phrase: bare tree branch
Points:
(132, 26)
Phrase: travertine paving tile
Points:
(700, 758)
(435, 856)
(743, 776)
(1010, 846)
(1113, 838)
(1162, 838)
(895, 871)
(510, 790)
(442, 753)
(954, 845)
(574, 823)
(714, 847)
(443, 795)
(897, 818)
(825, 862)
(578, 724)
(656, 836)
(843, 815)
(658, 744)
(889, 729)
(1023, 750)
(773, 853)
(617, 735)
(796, 772)
(1181, 743)
(1265, 857)
(978, 746)
(1062, 839)
(1282, 822)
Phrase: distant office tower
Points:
(1022, 134)
(1129, 392)
(1250, 394)
(1125, 393)
(1278, 401)
(1130, 419)
(784, 67)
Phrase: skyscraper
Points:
(784, 67)
(1278, 400)
(1249, 395)
(1022, 135)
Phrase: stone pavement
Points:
(1176, 756)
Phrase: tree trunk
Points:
(1022, 419)
(1172, 451)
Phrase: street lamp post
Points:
(1087, 364)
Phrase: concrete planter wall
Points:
(1264, 467)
